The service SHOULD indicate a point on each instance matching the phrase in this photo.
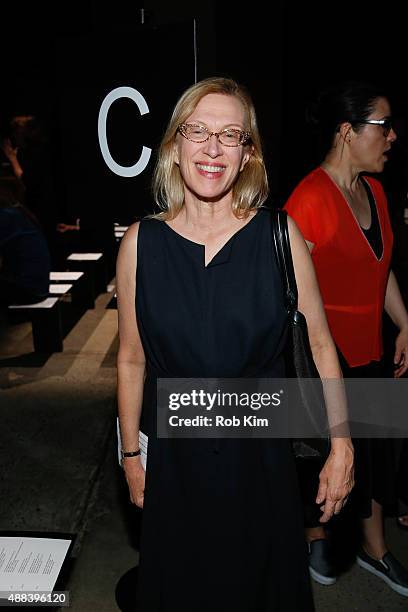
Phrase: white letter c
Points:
(116, 94)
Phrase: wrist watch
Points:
(129, 454)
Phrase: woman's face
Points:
(370, 143)
(209, 169)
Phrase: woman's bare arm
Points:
(395, 308)
(337, 475)
(131, 363)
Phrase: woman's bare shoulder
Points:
(127, 255)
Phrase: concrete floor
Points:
(107, 551)
(60, 472)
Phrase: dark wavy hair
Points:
(350, 101)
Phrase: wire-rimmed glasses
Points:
(230, 137)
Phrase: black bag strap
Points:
(280, 233)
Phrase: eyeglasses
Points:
(230, 137)
(386, 124)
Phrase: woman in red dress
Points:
(342, 214)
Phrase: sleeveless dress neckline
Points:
(201, 247)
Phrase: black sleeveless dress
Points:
(222, 526)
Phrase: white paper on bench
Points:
(47, 303)
(65, 276)
(84, 256)
(143, 442)
(31, 564)
(59, 289)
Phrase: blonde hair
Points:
(251, 188)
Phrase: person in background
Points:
(342, 213)
(218, 514)
(26, 146)
(24, 254)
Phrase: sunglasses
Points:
(386, 124)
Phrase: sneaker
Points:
(388, 569)
(320, 565)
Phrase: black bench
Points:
(94, 265)
(82, 288)
(45, 319)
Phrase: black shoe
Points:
(388, 569)
(320, 564)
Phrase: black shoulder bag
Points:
(298, 354)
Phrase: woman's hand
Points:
(9, 151)
(66, 227)
(336, 479)
(135, 477)
(401, 353)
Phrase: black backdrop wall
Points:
(108, 157)
(60, 63)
